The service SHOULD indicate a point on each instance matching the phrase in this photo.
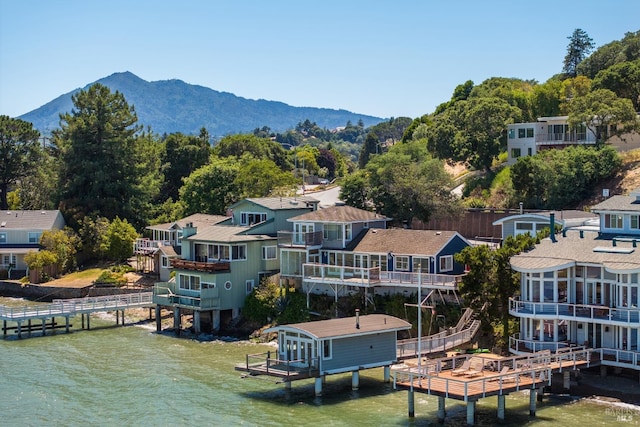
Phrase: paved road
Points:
(327, 197)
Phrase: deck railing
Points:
(598, 313)
(291, 239)
(374, 276)
(209, 266)
(266, 364)
(168, 294)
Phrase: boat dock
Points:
(45, 314)
(472, 377)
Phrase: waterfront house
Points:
(580, 287)
(533, 222)
(342, 250)
(20, 232)
(326, 347)
(221, 263)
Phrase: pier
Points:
(45, 314)
(472, 377)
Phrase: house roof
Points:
(198, 220)
(402, 241)
(227, 234)
(28, 220)
(281, 203)
(340, 214)
(572, 249)
(346, 327)
(568, 217)
(618, 203)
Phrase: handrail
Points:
(574, 311)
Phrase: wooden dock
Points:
(67, 308)
(472, 377)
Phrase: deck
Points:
(488, 375)
(286, 370)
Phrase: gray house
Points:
(326, 347)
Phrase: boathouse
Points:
(326, 347)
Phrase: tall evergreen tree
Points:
(101, 162)
(580, 45)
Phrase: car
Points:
(323, 181)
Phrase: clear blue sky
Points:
(383, 58)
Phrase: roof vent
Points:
(3, 224)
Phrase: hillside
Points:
(175, 106)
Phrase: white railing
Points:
(436, 343)
(74, 306)
(519, 345)
(568, 311)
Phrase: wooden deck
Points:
(438, 377)
(264, 364)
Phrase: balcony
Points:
(289, 239)
(596, 313)
(210, 266)
(367, 277)
(147, 246)
(169, 294)
(563, 138)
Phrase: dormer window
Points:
(613, 221)
(250, 218)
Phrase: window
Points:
(188, 282)
(164, 261)
(529, 151)
(332, 232)
(446, 263)
(347, 231)
(269, 252)
(326, 349)
(227, 285)
(521, 133)
(208, 285)
(34, 237)
(529, 132)
(512, 133)
(239, 252)
(3, 237)
(515, 153)
(634, 223)
(9, 260)
(249, 218)
(402, 263)
(613, 221)
(249, 285)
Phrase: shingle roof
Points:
(281, 203)
(573, 249)
(341, 214)
(344, 327)
(227, 234)
(402, 241)
(198, 220)
(28, 220)
(618, 203)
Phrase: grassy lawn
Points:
(77, 279)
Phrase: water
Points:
(132, 376)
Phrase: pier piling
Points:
(471, 412)
(501, 404)
(412, 409)
(532, 402)
(441, 409)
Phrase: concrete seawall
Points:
(49, 293)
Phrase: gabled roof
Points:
(198, 220)
(592, 248)
(339, 214)
(346, 327)
(28, 220)
(227, 234)
(401, 241)
(281, 203)
(618, 203)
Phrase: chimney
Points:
(357, 318)
(552, 227)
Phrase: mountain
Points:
(175, 106)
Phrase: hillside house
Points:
(581, 287)
(20, 232)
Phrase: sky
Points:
(387, 59)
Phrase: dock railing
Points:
(265, 364)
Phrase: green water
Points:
(131, 376)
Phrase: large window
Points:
(446, 263)
(332, 232)
(402, 263)
(238, 252)
(515, 153)
(188, 282)
(613, 220)
(249, 218)
(34, 237)
(269, 252)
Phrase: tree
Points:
(91, 230)
(371, 146)
(354, 190)
(19, 151)
(63, 243)
(260, 148)
(117, 242)
(259, 177)
(102, 165)
(580, 45)
(211, 188)
(182, 155)
(604, 114)
(491, 280)
(623, 79)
